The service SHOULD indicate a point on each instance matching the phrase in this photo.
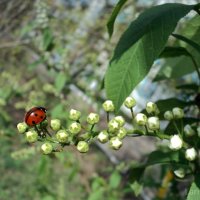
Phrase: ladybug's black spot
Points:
(36, 114)
(41, 117)
(33, 122)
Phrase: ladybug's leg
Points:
(47, 132)
(37, 130)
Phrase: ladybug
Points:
(35, 116)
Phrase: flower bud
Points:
(93, 118)
(151, 107)
(115, 143)
(180, 173)
(62, 136)
(178, 113)
(190, 154)
(168, 115)
(153, 123)
(82, 147)
(74, 114)
(113, 125)
(31, 136)
(103, 136)
(120, 120)
(47, 148)
(129, 102)
(55, 124)
(175, 142)
(22, 127)
(75, 128)
(108, 106)
(121, 133)
(141, 119)
(188, 130)
(198, 131)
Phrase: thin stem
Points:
(176, 127)
(132, 113)
(107, 117)
(91, 129)
(196, 67)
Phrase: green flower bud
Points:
(129, 102)
(120, 120)
(151, 107)
(93, 118)
(62, 136)
(22, 127)
(198, 131)
(190, 154)
(74, 114)
(168, 115)
(103, 136)
(113, 125)
(108, 106)
(31, 136)
(82, 147)
(115, 143)
(75, 128)
(188, 130)
(153, 123)
(55, 124)
(47, 148)
(180, 173)
(121, 133)
(141, 119)
(178, 113)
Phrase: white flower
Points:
(74, 114)
(141, 119)
(129, 102)
(108, 106)
(113, 125)
(120, 120)
(103, 137)
(175, 142)
(168, 115)
(178, 113)
(115, 143)
(188, 130)
(153, 123)
(180, 173)
(151, 107)
(93, 118)
(190, 154)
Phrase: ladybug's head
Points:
(42, 108)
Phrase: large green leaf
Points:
(111, 21)
(138, 47)
(194, 191)
(191, 30)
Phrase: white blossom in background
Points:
(175, 142)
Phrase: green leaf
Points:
(193, 87)
(188, 41)
(136, 187)
(139, 47)
(47, 39)
(169, 104)
(111, 21)
(60, 81)
(173, 52)
(114, 180)
(169, 70)
(194, 191)
(171, 130)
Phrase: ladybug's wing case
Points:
(29, 112)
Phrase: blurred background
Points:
(54, 54)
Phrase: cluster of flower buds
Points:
(82, 135)
(176, 113)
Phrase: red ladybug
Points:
(35, 116)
